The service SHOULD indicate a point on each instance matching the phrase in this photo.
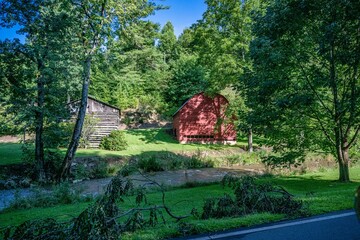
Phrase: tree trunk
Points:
(39, 127)
(65, 169)
(344, 162)
(250, 141)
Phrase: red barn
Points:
(202, 119)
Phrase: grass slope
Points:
(318, 190)
(151, 140)
(139, 141)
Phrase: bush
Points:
(114, 142)
(52, 160)
(165, 161)
(150, 164)
(100, 171)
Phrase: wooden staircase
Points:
(107, 123)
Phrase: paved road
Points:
(342, 225)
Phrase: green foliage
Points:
(285, 160)
(251, 197)
(166, 161)
(38, 73)
(315, 189)
(7, 125)
(222, 40)
(96, 170)
(114, 142)
(188, 78)
(134, 73)
(139, 141)
(167, 42)
(52, 160)
(244, 158)
(100, 171)
(57, 135)
(88, 129)
(303, 88)
(150, 164)
(101, 220)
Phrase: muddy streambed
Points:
(166, 178)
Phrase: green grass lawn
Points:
(139, 141)
(319, 190)
(152, 140)
(10, 153)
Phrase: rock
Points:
(10, 184)
(77, 180)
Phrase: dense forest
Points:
(289, 68)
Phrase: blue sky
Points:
(182, 14)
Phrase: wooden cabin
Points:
(106, 118)
(202, 119)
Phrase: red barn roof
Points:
(203, 119)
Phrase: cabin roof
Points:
(97, 100)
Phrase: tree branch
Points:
(314, 90)
(354, 137)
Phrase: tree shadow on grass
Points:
(313, 183)
(163, 135)
(157, 136)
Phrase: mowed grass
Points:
(10, 153)
(320, 192)
(139, 141)
(152, 140)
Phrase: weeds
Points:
(60, 194)
(166, 161)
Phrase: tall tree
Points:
(305, 89)
(97, 22)
(222, 39)
(132, 74)
(45, 25)
(188, 78)
(167, 42)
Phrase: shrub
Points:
(164, 161)
(100, 171)
(150, 164)
(114, 142)
(52, 160)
